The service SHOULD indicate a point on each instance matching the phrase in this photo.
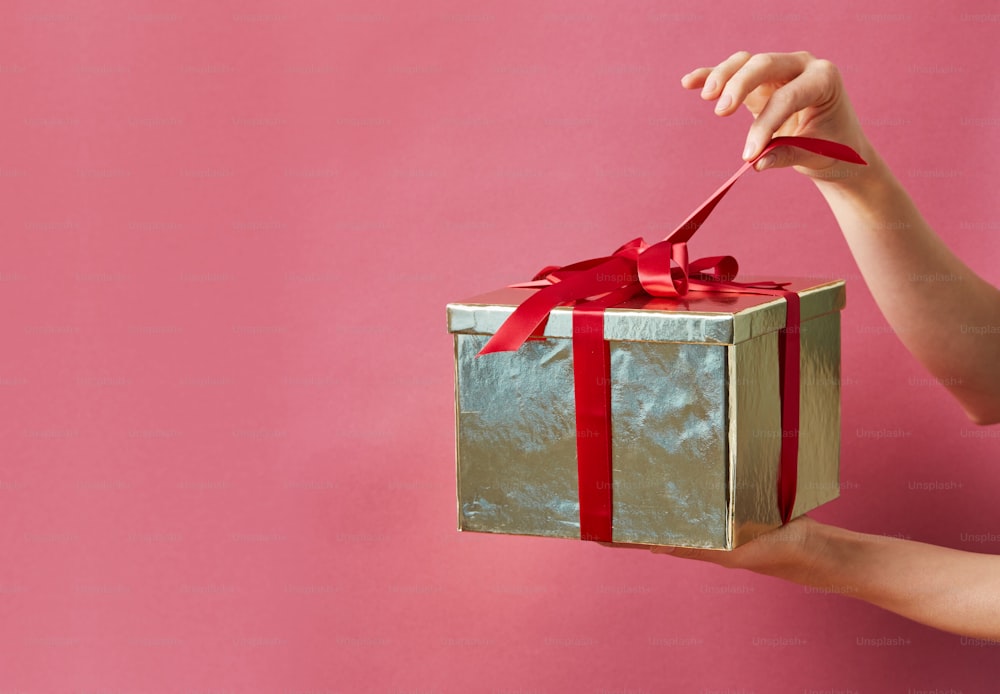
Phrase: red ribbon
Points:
(662, 269)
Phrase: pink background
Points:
(229, 233)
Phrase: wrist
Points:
(813, 554)
(796, 552)
(831, 557)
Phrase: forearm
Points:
(944, 588)
(945, 314)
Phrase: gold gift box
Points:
(696, 417)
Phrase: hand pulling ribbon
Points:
(662, 269)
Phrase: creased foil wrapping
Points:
(695, 422)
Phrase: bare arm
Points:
(944, 588)
(945, 314)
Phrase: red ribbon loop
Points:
(662, 269)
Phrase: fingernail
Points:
(749, 150)
(724, 102)
(708, 88)
(766, 162)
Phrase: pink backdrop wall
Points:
(229, 233)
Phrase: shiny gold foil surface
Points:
(695, 418)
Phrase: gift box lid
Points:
(703, 317)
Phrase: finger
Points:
(720, 74)
(760, 69)
(709, 555)
(816, 85)
(626, 545)
(696, 78)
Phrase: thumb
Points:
(783, 157)
(779, 157)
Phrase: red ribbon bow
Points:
(662, 269)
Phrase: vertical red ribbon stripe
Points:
(789, 347)
(592, 385)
